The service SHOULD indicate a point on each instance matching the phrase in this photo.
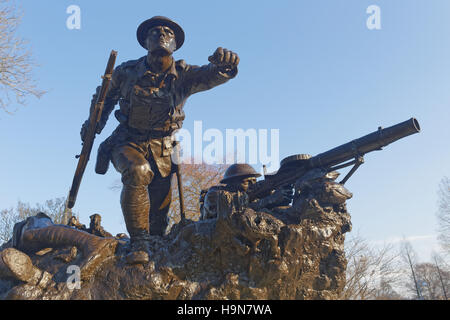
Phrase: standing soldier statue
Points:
(151, 92)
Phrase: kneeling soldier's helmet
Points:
(239, 171)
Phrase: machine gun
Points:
(88, 141)
(352, 153)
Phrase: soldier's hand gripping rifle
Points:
(352, 153)
(89, 136)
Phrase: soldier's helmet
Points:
(143, 28)
(239, 170)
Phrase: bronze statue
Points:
(95, 226)
(309, 177)
(151, 92)
(74, 222)
(237, 251)
(39, 232)
(238, 179)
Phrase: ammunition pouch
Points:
(103, 157)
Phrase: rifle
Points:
(295, 167)
(94, 118)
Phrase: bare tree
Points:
(16, 63)
(409, 257)
(8, 218)
(386, 291)
(443, 272)
(371, 272)
(54, 208)
(196, 177)
(432, 280)
(443, 214)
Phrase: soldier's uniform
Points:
(234, 175)
(151, 110)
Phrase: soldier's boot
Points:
(140, 248)
(135, 207)
(94, 249)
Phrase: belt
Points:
(150, 134)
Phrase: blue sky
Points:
(311, 69)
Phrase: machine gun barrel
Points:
(368, 143)
(335, 158)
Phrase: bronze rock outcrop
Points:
(290, 253)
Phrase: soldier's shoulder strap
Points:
(130, 63)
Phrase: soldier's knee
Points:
(138, 175)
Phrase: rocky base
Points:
(242, 254)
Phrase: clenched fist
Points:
(224, 58)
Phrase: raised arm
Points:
(222, 67)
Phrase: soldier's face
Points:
(161, 40)
(246, 183)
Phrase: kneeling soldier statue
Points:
(237, 179)
(151, 92)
